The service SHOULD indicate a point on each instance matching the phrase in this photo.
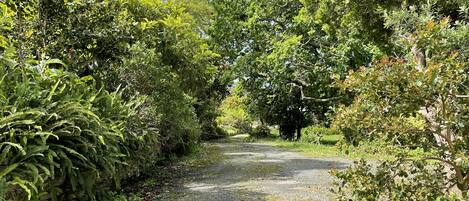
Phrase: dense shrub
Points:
(60, 136)
(141, 84)
(261, 131)
(142, 156)
(243, 126)
(392, 180)
(168, 108)
(234, 118)
(416, 101)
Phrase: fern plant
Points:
(59, 135)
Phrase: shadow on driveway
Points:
(251, 171)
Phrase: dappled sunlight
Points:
(263, 169)
(227, 100)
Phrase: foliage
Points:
(314, 134)
(285, 52)
(415, 100)
(285, 56)
(233, 115)
(87, 35)
(182, 65)
(169, 109)
(392, 180)
(141, 83)
(60, 135)
(174, 31)
(99, 38)
(261, 131)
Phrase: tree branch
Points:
(300, 84)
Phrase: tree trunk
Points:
(287, 132)
(298, 133)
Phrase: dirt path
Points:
(251, 171)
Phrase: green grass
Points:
(326, 149)
(331, 139)
(310, 150)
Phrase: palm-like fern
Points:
(58, 134)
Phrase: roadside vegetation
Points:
(96, 93)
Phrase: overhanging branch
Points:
(300, 84)
(320, 100)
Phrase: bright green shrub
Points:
(60, 136)
(314, 134)
(234, 117)
(392, 180)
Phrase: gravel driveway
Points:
(252, 171)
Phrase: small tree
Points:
(415, 100)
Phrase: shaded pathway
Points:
(251, 171)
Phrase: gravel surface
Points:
(252, 171)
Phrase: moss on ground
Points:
(262, 169)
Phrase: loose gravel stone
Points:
(252, 171)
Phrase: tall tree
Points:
(285, 54)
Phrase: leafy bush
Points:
(168, 109)
(261, 131)
(145, 149)
(234, 117)
(314, 134)
(243, 126)
(392, 180)
(416, 101)
(60, 136)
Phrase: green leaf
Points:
(17, 146)
(55, 61)
(52, 91)
(8, 169)
(72, 151)
(9, 62)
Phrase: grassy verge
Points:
(327, 148)
(310, 150)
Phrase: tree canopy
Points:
(94, 92)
